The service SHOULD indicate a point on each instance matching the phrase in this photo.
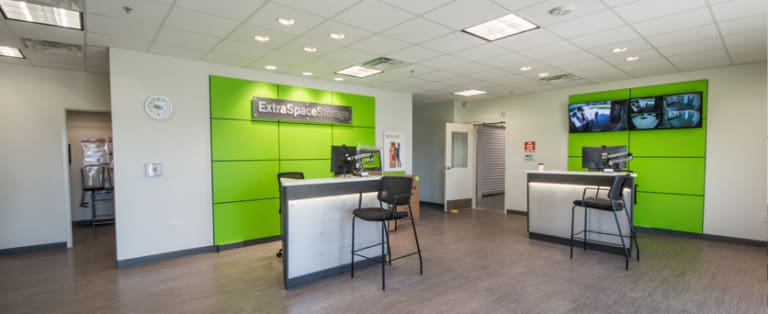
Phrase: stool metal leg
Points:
(383, 258)
(621, 237)
(585, 228)
(352, 264)
(573, 209)
(389, 248)
(416, 237)
(633, 233)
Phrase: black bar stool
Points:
(393, 191)
(614, 203)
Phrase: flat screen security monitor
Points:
(597, 116)
(593, 158)
(340, 163)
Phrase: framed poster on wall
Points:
(393, 150)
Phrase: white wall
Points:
(429, 142)
(147, 207)
(81, 125)
(34, 180)
(735, 197)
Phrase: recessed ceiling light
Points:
(306, 73)
(470, 92)
(499, 28)
(338, 35)
(560, 11)
(526, 68)
(619, 49)
(632, 58)
(310, 49)
(358, 71)
(11, 52)
(270, 67)
(287, 21)
(543, 74)
(35, 13)
(261, 38)
(338, 78)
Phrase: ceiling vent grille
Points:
(52, 47)
(384, 64)
(560, 78)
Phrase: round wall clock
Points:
(158, 107)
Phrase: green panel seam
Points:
(250, 200)
(664, 193)
(278, 160)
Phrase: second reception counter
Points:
(550, 198)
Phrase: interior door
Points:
(459, 168)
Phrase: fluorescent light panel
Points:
(358, 71)
(470, 92)
(35, 13)
(499, 28)
(11, 52)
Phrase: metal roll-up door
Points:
(490, 159)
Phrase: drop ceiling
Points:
(667, 36)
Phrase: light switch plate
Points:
(153, 169)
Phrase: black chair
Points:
(393, 191)
(614, 203)
(287, 175)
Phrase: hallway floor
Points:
(476, 261)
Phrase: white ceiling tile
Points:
(245, 32)
(700, 65)
(43, 32)
(469, 68)
(749, 57)
(117, 42)
(516, 5)
(453, 42)
(606, 37)
(587, 24)
(412, 70)
(267, 16)
(656, 66)
(578, 56)
(373, 16)
(646, 56)
(745, 38)
(751, 48)
(738, 8)
(650, 9)
(96, 53)
(675, 22)
(321, 8)
(631, 45)
(528, 40)
(539, 13)
(699, 56)
(444, 62)
(507, 59)
(190, 20)
(688, 35)
(603, 75)
(414, 54)
(121, 28)
(143, 11)
(481, 52)
(323, 47)
(536, 67)
(323, 32)
(745, 24)
(379, 45)
(461, 14)
(491, 75)
(233, 9)
(417, 7)
(240, 61)
(585, 66)
(553, 49)
(324, 66)
(286, 59)
(186, 39)
(691, 47)
(350, 56)
(175, 51)
(235, 48)
(437, 76)
(417, 30)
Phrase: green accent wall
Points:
(248, 154)
(670, 163)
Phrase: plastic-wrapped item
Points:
(96, 151)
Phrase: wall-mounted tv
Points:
(666, 112)
(597, 116)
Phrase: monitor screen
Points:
(644, 113)
(681, 111)
(592, 157)
(339, 159)
(597, 116)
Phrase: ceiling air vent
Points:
(384, 64)
(52, 47)
(560, 78)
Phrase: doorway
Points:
(490, 170)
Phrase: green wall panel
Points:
(363, 108)
(304, 94)
(244, 180)
(312, 168)
(305, 141)
(231, 98)
(618, 94)
(671, 212)
(574, 164)
(670, 175)
(353, 136)
(241, 221)
(243, 140)
(669, 143)
(577, 140)
(675, 88)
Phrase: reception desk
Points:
(317, 226)
(550, 198)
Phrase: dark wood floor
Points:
(476, 261)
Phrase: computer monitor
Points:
(596, 157)
(341, 163)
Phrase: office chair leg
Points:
(621, 237)
(416, 236)
(389, 248)
(573, 209)
(633, 233)
(352, 264)
(383, 258)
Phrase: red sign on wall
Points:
(529, 146)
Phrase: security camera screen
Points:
(597, 116)
(682, 111)
(644, 113)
